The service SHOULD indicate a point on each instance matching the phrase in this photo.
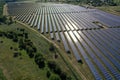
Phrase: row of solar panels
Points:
(58, 22)
(60, 8)
(85, 15)
(107, 19)
(99, 48)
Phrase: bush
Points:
(34, 48)
(52, 48)
(26, 35)
(3, 19)
(63, 76)
(10, 19)
(1, 41)
(52, 65)
(22, 30)
(16, 54)
(40, 61)
(54, 77)
(31, 54)
(69, 78)
(10, 35)
(11, 47)
(57, 70)
(1, 34)
(48, 74)
(15, 39)
(30, 51)
(56, 56)
(21, 44)
(20, 35)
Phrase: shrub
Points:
(56, 56)
(1, 34)
(31, 54)
(63, 76)
(15, 39)
(1, 41)
(69, 78)
(10, 35)
(17, 28)
(26, 35)
(29, 51)
(20, 35)
(22, 30)
(52, 65)
(21, 44)
(54, 77)
(34, 48)
(3, 19)
(48, 74)
(11, 47)
(16, 54)
(57, 70)
(52, 48)
(40, 61)
(10, 20)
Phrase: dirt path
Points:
(63, 55)
(5, 10)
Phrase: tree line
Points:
(89, 2)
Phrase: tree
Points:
(15, 39)
(21, 44)
(69, 78)
(52, 65)
(3, 19)
(52, 48)
(48, 74)
(57, 70)
(63, 76)
(40, 60)
(54, 77)
(26, 35)
(30, 51)
(11, 20)
(10, 35)
(1, 34)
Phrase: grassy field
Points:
(1, 6)
(23, 67)
(2, 77)
(111, 9)
(117, 1)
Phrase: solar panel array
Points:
(75, 27)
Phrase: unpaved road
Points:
(5, 10)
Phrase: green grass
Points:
(2, 77)
(1, 10)
(1, 6)
(20, 68)
(23, 67)
(117, 1)
(111, 9)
